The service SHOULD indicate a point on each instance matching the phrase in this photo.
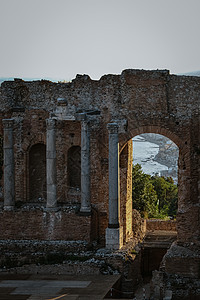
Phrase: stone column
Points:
(85, 165)
(51, 164)
(114, 232)
(9, 168)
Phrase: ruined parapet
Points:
(142, 102)
(179, 274)
(157, 224)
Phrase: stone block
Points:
(114, 238)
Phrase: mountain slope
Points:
(2, 79)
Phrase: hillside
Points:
(153, 161)
(2, 79)
(196, 73)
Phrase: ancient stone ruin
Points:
(67, 170)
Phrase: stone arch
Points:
(37, 173)
(30, 141)
(74, 167)
(154, 129)
(183, 162)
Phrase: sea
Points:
(144, 153)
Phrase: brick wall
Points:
(126, 158)
(169, 225)
(37, 224)
(140, 101)
(139, 225)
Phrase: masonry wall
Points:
(126, 158)
(169, 225)
(36, 224)
(67, 136)
(140, 102)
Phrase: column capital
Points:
(112, 127)
(51, 124)
(8, 123)
(82, 117)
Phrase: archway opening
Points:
(149, 193)
(155, 176)
(155, 196)
(37, 173)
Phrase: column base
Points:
(114, 238)
(85, 209)
(8, 207)
(49, 209)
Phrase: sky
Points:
(61, 38)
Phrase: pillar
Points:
(114, 232)
(85, 165)
(9, 169)
(51, 163)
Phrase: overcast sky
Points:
(62, 38)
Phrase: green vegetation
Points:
(133, 251)
(154, 196)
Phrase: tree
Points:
(153, 196)
(143, 193)
(167, 193)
